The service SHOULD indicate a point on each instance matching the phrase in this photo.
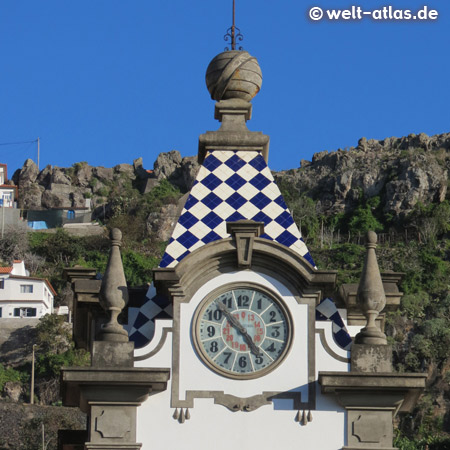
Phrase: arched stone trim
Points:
(220, 256)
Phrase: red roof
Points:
(6, 269)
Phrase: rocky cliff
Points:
(58, 187)
(401, 171)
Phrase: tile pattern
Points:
(158, 307)
(327, 310)
(141, 321)
(232, 186)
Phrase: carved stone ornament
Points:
(244, 233)
(369, 428)
(371, 297)
(113, 424)
(114, 292)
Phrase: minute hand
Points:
(235, 323)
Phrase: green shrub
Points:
(10, 374)
(50, 364)
(138, 268)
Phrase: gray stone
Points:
(167, 164)
(370, 296)
(59, 177)
(233, 74)
(12, 390)
(110, 396)
(45, 176)
(114, 292)
(407, 170)
(83, 175)
(29, 172)
(30, 196)
(162, 223)
(371, 358)
(189, 170)
(233, 132)
(58, 196)
(112, 354)
(372, 400)
(127, 169)
(104, 174)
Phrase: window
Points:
(25, 312)
(0, 312)
(2, 283)
(71, 214)
(26, 288)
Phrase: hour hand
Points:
(253, 348)
(230, 318)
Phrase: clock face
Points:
(242, 331)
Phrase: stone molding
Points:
(371, 401)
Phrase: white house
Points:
(22, 296)
(8, 193)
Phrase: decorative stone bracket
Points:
(110, 396)
(372, 400)
(244, 233)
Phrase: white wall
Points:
(212, 426)
(7, 194)
(10, 297)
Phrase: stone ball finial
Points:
(233, 74)
(116, 235)
(371, 237)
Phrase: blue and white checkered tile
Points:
(142, 320)
(326, 310)
(232, 186)
(158, 307)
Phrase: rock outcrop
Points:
(179, 171)
(57, 187)
(401, 171)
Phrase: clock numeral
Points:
(242, 362)
(243, 300)
(271, 348)
(259, 360)
(275, 333)
(259, 304)
(228, 302)
(272, 315)
(214, 347)
(215, 315)
(227, 357)
(212, 331)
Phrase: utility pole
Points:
(38, 143)
(32, 378)
(3, 215)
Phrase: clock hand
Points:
(235, 323)
(230, 318)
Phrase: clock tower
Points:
(243, 344)
(239, 344)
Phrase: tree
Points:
(14, 244)
(363, 220)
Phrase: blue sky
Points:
(108, 81)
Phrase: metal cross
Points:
(233, 33)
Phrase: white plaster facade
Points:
(22, 296)
(7, 193)
(212, 425)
